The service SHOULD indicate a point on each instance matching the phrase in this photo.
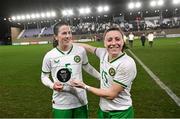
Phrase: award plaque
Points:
(63, 75)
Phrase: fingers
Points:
(74, 82)
(58, 86)
(77, 83)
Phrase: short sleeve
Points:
(84, 57)
(46, 65)
(125, 74)
(100, 52)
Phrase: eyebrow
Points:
(114, 37)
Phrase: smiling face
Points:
(64, 37)
(113, 41)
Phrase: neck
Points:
(64, 48)
(112, 57)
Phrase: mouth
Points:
(67, 40)
(114, 46)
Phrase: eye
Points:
(69, 32)
(117, 39)
(63, 33)
(109, 39)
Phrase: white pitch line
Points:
(157, 80)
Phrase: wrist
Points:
(86, 87)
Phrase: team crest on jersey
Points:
(112, 71)
(77, 58)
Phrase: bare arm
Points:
(109, 93)
(92, 71)
(88, 48)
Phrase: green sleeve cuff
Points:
(120, 83)
(85, 63)
(45, 72)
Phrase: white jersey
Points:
(54, 60)
(122, 70)
(150, 37)
(131, 37)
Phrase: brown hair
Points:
(115, 28)
(56, 30)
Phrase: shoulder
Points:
(50, 53)
(100, 51)
(128, 58)
(128, 62)
(78, 47)
(79, 50)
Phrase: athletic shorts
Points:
(129, 113)
(80, 112)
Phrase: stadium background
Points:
(23, 95)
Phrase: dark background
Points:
(8, 8)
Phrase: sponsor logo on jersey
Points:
(56, 60)
(77, 58)
(112, 71)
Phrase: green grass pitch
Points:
(23, 95)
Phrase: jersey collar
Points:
(62, 52)
(116, 58)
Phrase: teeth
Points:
(112, 46)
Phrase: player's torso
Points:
(70, 97)
(72, 61)
(108, 71)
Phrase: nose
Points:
(68, 35)
(113, 41)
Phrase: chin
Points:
(115, 54)
(115, 51)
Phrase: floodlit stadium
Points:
(26, 35)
